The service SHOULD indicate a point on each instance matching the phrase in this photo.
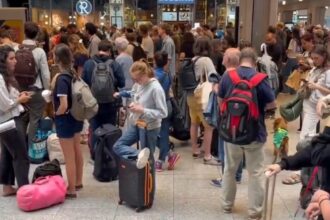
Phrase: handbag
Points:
(43, 193)
(292, 109)
(202, 91)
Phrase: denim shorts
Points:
(67, 126)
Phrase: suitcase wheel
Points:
(138, 209)
(120, 202)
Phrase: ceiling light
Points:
(283, 2)
(326, 7)
(301, 0)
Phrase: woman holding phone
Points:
(14, 161)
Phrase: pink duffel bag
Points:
(44, 192)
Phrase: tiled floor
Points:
(185, 193)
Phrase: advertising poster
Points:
(17, 27)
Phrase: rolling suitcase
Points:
(105, 164)
(136, 186)
(269, 199)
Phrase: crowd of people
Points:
(145, 63)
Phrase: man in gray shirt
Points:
(124, 60)
(168, 46)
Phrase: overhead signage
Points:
(84, 7)
(170, 16)
(176, 2)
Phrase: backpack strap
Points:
(257, 79)
(233, 75)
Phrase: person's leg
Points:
(239, 172)
(79, 160)
(233, 157)
(36, 107)
(15, 143)
(193, 138)
(254, 156)
(68, 148)
(123, 146)
(7, 175)
(208, 133)
(164, 139)
(310, 120)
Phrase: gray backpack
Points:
(103, 80)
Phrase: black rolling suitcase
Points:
(105, 164)
(136, 186)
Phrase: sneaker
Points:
(159, 166)
(143, 157)
(217, 182)
(212, 161)
(254, 218)
(172, 160)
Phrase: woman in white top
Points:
(319, 85)
(14, 161)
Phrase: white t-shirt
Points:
(203, 65)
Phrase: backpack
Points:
(84, 105)
(103, 80)
(138, 52)
(265, 64)
(51, 168)
(187, 74)
(25, 70)
(239, 110)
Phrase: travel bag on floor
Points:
(105, 164)
(51, 168)
(136, 186)
(54, 148)
(43, 193)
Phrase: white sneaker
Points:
(143, 157)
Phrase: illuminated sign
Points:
(84, 7)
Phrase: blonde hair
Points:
(77, 42)
(141, 68)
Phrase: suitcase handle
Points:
(267, 214)
(150, 183)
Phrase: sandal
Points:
(71, 196)
(79, 187)
(292, 179)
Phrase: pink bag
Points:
(44, 192)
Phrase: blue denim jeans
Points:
(221, 156)
(164, 139)
(134, 134)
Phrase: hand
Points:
(318, 195)
(312, 210)
(273, 169)
(116, 95)
(320, 106)
(136, 108)
(313, 85)
(23, 97)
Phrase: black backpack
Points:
(138, 52)
(103, 82)
(187, 74)
(105, 164)
(52, 168)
